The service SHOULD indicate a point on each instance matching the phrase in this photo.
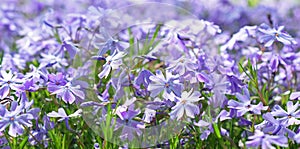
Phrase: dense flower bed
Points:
(138, 74)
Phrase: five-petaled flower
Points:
(288, 117)
(269, 35)
(68, 92)
(186, 104)
(16, 118)
(169, 84)
(63, 116)
(9, 81)
(265, 141)
(113, 62)
(245, 105)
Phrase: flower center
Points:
(289, 116)
(167, 85)
(12, 118)
(183, 101)
(248, 106)
(108, 62)
(276, 34)
(181, 61)
(8, 82)
(105, 55)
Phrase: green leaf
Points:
(24, 142)
(217, 130)
(253, 3)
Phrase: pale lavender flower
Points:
(113, 62)
(9, 81)
(186, 105)
(245, 104)
(15, 118)
(149, 115)
(270, 35)
(169, 84)
(297, 137)
(182, 65)
(218, 83)
(37, 73)
(13, 62)
(242, 35)
(295, 95)
(53, 60)
(266, 141)
(289, 117)
(63, 116)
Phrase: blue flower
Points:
(273, 126)
(169, 84)
(245, 105)
(265, 141)
(270, 35)
(15, 118)
(68, 46)
(288, 117)
(40, 133)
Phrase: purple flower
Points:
(169, 84)
(130, 126)
(245, 105)
(223, 115)
(56, 80)
(9, 81)
(68, 92)
(96, 146)
(63, 116)
(186, 105)
(274, 34)
(288, 117)
(67, 46)
(265, 141)
(40, 134)
(16, 119)
(273, 126)
(113, 62)
(30, 85)
(143, 78)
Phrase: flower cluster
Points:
(83, 74)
